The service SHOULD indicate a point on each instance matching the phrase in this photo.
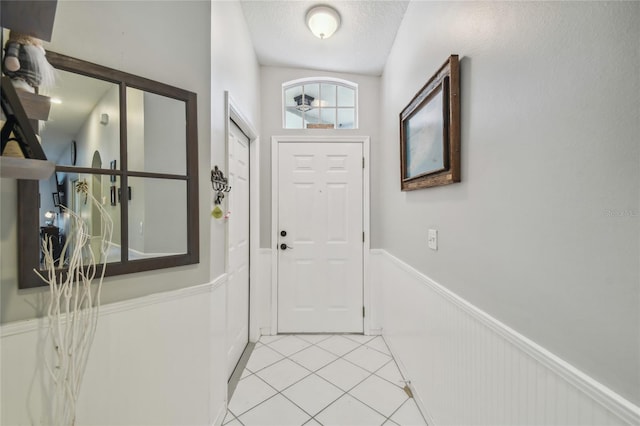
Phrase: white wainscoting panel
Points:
(468, 368)
(153, 362)
(260, 294)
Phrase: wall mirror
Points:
(133, 141)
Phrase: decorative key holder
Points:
(219, 183)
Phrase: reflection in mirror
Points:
(157, 217)
(55, 220)
(85, 117)
(84, 126)
(156, 133)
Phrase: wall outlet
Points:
(433, 239)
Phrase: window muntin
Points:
(320, 103)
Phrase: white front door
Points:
(320, 237)
(238, 261)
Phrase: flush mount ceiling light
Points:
(304, 102)
(323, 21)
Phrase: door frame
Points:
(366, 223)
(234, 112)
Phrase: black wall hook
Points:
(219, 183)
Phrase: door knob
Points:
(283, 246)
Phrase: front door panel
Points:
(320, 255)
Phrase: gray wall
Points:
(543, 231)
(135, 37)
(272, 79)
(234, 69)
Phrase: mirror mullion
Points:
(124, 181)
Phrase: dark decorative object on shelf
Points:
(29, 17)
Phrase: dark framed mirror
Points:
(133, 141)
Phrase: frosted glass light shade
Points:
(323, 21)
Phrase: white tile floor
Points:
(314, 379)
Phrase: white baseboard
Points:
(466, 367)
(265, 331)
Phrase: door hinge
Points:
(363, 162)
(363, 236)
(363, 312)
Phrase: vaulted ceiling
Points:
(361, 45)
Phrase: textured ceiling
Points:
(281, 38)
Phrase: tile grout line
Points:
(387, 380)
(313, 416)
(234, 418)
(369, 376)
(353, 387)
(402, 405)
(314, 372)
(310, 344)
(311, 373)
(285, 397)
(278, 392)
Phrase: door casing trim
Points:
(366, 222)
(234, 112)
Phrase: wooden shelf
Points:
(24, 168)
(36, 106)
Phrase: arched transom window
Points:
(320, 103)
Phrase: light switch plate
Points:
(433, 239)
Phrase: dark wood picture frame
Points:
(113, 196)
(112, 166)
(56, 200)
(430, 131)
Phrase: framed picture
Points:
(112, 166)
(56, 199)
(113, 195)
(74, 152)
(430, 131)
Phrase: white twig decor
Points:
(73, 307)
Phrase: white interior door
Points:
(238, 241)
(320, 237)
